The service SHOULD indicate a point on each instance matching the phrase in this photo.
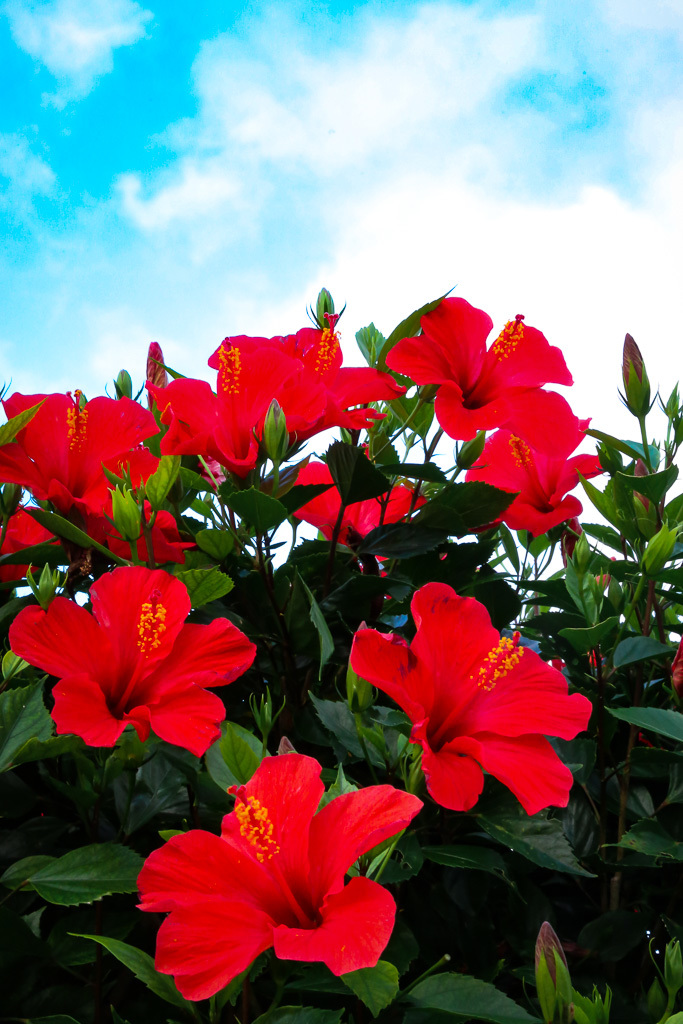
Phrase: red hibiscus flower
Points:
(482, 390)
(22, 532)
(275, 877)
(360, 517)
(60, 454)
(133, 660)
(477, 701)
(167, 545)
(542, 480)
(227, 425)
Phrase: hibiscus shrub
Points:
(370, 725)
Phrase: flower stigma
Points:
(521, 452)
(509, 338)
(229, 369)
(256, 827)
(151, 624)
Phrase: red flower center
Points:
(76, 422)
(500, 660)
(509, 338)
(256, 827)
(151, 624)
(229, 369)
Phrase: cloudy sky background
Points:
(179, 177)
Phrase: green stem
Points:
(445, 959)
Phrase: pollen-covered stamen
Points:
(76, 422)
(509, 338)
(256, 827)
(151, 624)
(521, 452)
(328, 346)
(500, 660)
(229, 369)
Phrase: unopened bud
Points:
(581, 555)
(672, 405)
(156, 374)
(673, 968)
(45, 589)
(656, 1001)
(553, 984)
(570, 535)
(126, 515)
(10, 496)
(275, 433)
(285, 746)
(123, 385)
(323, 306)
(677, 671)
(636, 383)
(359, 693)
(659, 550)
(471, 450)
(646, 515)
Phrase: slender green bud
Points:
(553, 983)
(659, 550)
(275, 433)
(581, 557)
(656, 1001)
(646, 515)
(324, 304)
(359, 693)
(673, 968)
(636, 383)
(10, 496)
(471, 450)
(126, 515)
(45, 589)
(124, 385)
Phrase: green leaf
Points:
(602, 502)
(370, 342)
(216, 543)
(650, 838)
(583, 640)
(36, 554)
(205, 585)
(658, 720)
(639, 648)
(299, 1015)
(338, 720)
(376, 986)
(654, 486)
(633, 449)
(142, 966)
(537, 837)
(322, 629)
(401, 540)
(415, 471)
(56, 1018)
(354, 475)
(161, 481)
(9, 430)
(262, 512)
(87, 874)
(23, 718)
(239, 752)
(20, 872)
(459, 508)
(469, 997)
(469, 858)
(407, 328)
(300, 494)
(61, 527)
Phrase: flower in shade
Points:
(22, 532)
(134, 660)
(478, 702)
(275, 878)
(542, 481)
(59, 455)
(359, 518)
(482, 389)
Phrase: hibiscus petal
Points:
(214, 654)
(385, 660)
(349, 826)
(454, 779)
(190, 718)
(529, 767)
(208, 944)
(81, 708)
(356, 926)
(544, 419)
(452, 346)
(65, 640)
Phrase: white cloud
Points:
(75, 39)
(195, 192)
(26, 176)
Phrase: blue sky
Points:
(177, 176)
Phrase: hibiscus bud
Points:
(646, 515)
(323, 306)
(636, 383)
(672, 405)
(285, 746)
(359, 692)
(123, 385)
(156, 374)
(10, 496)
(126, 515)
(275, 433)
(12, 665)
(570, 535)
(553, 984)
(46, 587)
(673, 969)
(656, 1001)
(471, 450)
(659, 550)
(581, 555)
